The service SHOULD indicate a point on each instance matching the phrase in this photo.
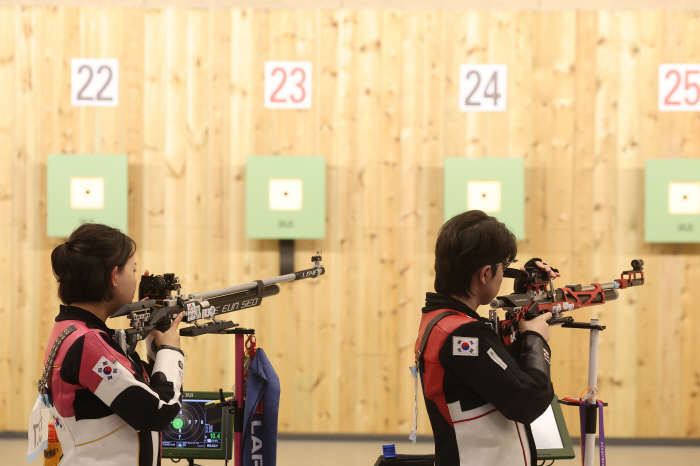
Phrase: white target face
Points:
(484, 196)
(189, 425)
(684, 198)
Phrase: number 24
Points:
(493, 81)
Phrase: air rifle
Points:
(534, 295)
(165, 302)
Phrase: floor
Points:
(365, 453)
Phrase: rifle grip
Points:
(163, 326)
(531, 312)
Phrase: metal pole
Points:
(238, 436)
(592, 382)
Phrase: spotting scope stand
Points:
(592, 403)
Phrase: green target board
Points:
(86, 189)
(672, 201)
(285, 197)
(494, 185)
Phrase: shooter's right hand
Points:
(170, 337)
(538, 324)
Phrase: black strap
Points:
(43, 383)
(426, 334)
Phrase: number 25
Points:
(688, 85)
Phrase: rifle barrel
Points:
(268, 281)
(605, 286)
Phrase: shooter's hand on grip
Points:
(170, 337)
(538, 324)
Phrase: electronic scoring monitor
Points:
(551, 435)
(198, 432)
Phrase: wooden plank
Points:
(649, 138)
(478, 48)
(605, 176)
(343, 216)
(132, 97)
(582, 244)
(109, 126)
(499, 29)
(670, 269)
(553, 117)
(449, 5)
(218, 174)
(175, 147)
(690, 323)
(197, 74)
(311, 298)
(88, 131)
(152, 246)
(520, 108)
(372, 415)
(456, 54)
(412, 189)
(628, 219)
(327, 370)
(263, 255)
(286, 39)
(51, 84)
(8, 63)
(24, 216)
(393, 375)
(689, 334)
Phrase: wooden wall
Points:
(582, 112)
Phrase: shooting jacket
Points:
(480, 395)
(108, 408)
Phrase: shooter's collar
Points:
(435, 301)
(80, 314)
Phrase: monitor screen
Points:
(551, 435)
(199, 431)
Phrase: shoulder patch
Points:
(109, 371)
(465, 346)
(492, 354)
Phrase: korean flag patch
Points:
(107, 370)
(465, 346)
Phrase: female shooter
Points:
(108, 408)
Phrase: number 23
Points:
(274, 98)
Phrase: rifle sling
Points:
(426, 335)
(43, 383)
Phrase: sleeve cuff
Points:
(171, 348)
(170, 361)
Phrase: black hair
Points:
(466, 243)
(83, 265)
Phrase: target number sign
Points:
(483, 88)
(288, 84)
(679, 87)
(94, 82)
